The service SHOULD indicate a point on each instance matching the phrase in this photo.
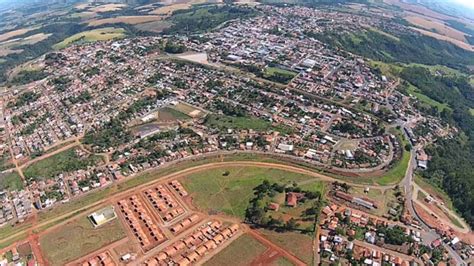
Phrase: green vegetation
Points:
(397, 171)
(25, 98)
(62, 162)
(101, 34)
(28, 76)
(240, 123)
(245, 244)
(278, 75)
(425, 99)
(57, 247)
(395, 235)
(174, 48)
(205, 17)
(410, 48)
(11, 181)
(213, 192)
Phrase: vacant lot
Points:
(300, 245)
(102, 34)
(169, 114)
(11, 181)
(278, 75)
(78, 238)
(124, 19)
(245, 248)
(214, 192)
(238, 123)
(188, 110)
(65, 161)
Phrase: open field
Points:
(245, 248)
(59, 163)
(436, 26)
(215, 193)
(300, 245)
(11, 181)
(10, 46)
(124, 19)
(154, 26)
(107, 8)
(278, 74)
(168, 114)
(188, 110)
(78, 238)
(169, 9)
(237, 123)
(14, 33)
(101, 34)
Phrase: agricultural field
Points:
(11, 181)
(300, 245)
(57, 244)
(214, 192)
(436, 26)
(13, 45)
(246, 248)
(169, 9)
(10, 34)
(62, 162)
(438, 36)
(101, 34)
(124, 19)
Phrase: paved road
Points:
(428, 234)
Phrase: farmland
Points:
(214, 192)
(237, 123)
(57, 246)
(243, 245)
(124, 19)
(100, 34)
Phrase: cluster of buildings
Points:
(351, 235)
(14, 207)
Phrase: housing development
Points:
(254, 141)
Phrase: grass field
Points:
(215, 193)
(62, 162)
(425, 99)
(78, 238)
(397, 172)
(238, 123)
(438, 26)
(245, 248)
(169, 114)
(278, 74)
(300, 245)
(101, 34)
(11, 181)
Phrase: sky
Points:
(468, 3)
